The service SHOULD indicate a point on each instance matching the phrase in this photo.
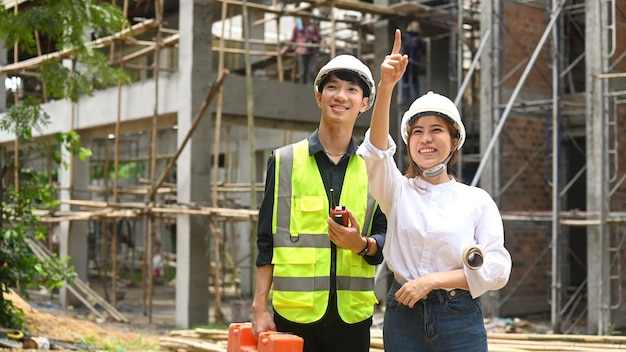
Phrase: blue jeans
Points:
(441, 322)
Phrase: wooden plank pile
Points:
(502, 342)
(215, 340)
(197, 340)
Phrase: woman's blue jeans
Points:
(441, 322)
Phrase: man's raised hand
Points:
(394, 65)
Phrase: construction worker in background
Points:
(414, 47)
(306, 38)
(322, 271)
(433, 303)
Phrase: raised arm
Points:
(391, 71)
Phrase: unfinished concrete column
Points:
(599, 283)
(193, 169)
(489, 116)
(73, 235)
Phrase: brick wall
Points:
(522, 28)
(524, 147)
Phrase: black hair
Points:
(349, 76)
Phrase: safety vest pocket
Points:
(292, 299)
(311, 203)
(362, 299)
(292, 262)
(310, 213)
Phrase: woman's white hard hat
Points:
(433, 104)
(348, 63)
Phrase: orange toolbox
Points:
(240, 339)
(272, 341)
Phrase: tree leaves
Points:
(48, 26)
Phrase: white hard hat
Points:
(433, 104)
(348, 63)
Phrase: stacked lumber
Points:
(197, 340)
(214, 340)
(501, 342)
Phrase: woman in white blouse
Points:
(433, 303)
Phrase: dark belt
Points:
(435, 295)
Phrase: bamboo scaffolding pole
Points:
(241, 214)
(216, 153)
(279, 57)
(136, 29)
(167, 42)
(295, 11)
(158, 10)
(137, 191)
(236, 187)
(16, 100)
(43, 84)
(116, 163)
(251, 143)
(344, 5)
(333, 32)
(217, 270)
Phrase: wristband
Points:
(366, 249)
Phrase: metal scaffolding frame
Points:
(604, 226)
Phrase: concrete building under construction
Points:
(542, 90)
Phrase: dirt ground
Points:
(47, 318)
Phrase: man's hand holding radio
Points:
(348, 237)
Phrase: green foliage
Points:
(19, 222)
(24, 119)
(94, 70)
(11, 316)
(63, 24)
(56, 271)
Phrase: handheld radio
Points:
(337, 212)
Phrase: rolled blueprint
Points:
(473, 257)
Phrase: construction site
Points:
(179, 155)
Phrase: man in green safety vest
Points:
(320, 233)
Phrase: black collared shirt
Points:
(332, 176)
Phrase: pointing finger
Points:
(397, 43)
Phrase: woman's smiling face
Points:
(430, 140)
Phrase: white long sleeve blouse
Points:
(430, 225)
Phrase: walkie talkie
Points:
(338, 213)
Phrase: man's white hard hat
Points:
(348, 63)
(433, 104)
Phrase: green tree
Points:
(65, 24)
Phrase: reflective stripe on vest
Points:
(302, 252)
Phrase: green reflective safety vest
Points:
(302, 249)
